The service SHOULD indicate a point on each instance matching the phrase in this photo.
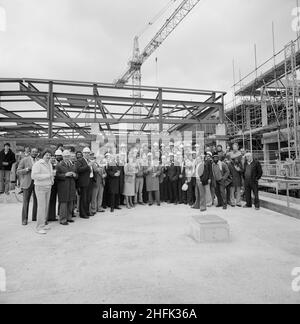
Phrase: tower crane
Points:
(138, 59)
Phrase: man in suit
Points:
(53, 197)
(83, 170)
(66, 188)
(27, 185)
(182, 195)
(98, 185)
(221, 174)
(113, 172)
(173, 176)
(252, 173)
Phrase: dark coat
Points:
(163, 174)
(235, 174)
(9, 158)
(255, 172)
(66, 187)
(122, 178)
(225, 173)
(206, 174)
(83, 170)
(113, 181)
(208, 168)
(173, 172)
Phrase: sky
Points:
(92, 40)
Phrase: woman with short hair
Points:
(130, 171)
(42, 174)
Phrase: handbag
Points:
(185, 187)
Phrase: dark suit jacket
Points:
(255, 172)
(207, 173)
(83, 170)
(66, 188)
(173, 172)
(113, 181)
(9, 158)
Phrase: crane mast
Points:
(134, 67)
(171, 23)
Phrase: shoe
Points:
(41, 232)
(66, 223)
(112, 210)
(158, 205)
(71, 221)
(101, 211)
(85, 217)
(239, 205)
(257, 208)
(202, 210)
(118, 208)
(141, 203)
(128, 207)
(224, 207)
(247, 206)
(25, 223)
(150, 205)
(232, 205)
(219, 206)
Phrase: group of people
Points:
(84, 183)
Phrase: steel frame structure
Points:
(64, 110)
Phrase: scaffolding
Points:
(292, 99)
(267, 100)
(264, 115)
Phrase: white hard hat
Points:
(86, 150)
(66, 153)
(58, 152)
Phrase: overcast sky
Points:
(92, 40)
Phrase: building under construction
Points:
(264, 114)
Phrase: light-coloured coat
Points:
(23, 172)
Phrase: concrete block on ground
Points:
(209, 228)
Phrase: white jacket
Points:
(42, 174)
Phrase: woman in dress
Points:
(130, 171)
